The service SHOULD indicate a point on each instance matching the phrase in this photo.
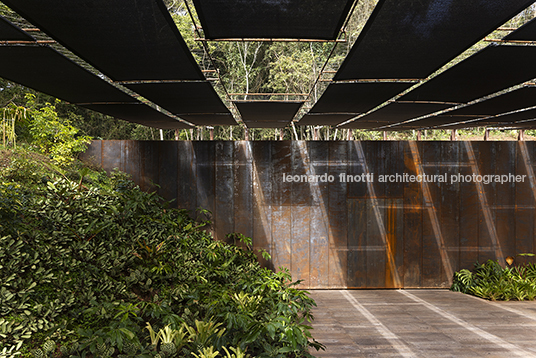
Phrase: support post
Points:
(486, 134)
(419, 134)
(453, 135)
(521, 135)
(384, 135)
(211, 132)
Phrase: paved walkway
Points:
(421, 323)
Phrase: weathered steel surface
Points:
(339, 234)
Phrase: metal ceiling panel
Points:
(44, 69)
(212, 119)
(398, 112)
(303, 19)
(124, 39)
(521, 98)
(10, 32)
(324, 119)
(526, 32)
(356, 98)
(182, 97)
(138, 113)
(267, 114)
(412, 39)
(488, 71)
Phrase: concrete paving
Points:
(421, 323)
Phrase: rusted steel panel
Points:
(487, 238)
(243, 188)
(300, 244)
(112, 152)
(301, 197)
(205, 177)
(167, 170)
(394, 193)
(262, 198)
(187, 177)
(348, 235)
(357, 245)
(413, 219)
(319, 225)
(524, 202)
(375, 244)
(432, 234)
(470, 212)
(93, 153)
(281, 209)
(223, 214)
(449, 205)
(132, 159)
(148, 166)
(505, 198)
(355, 168)
(394, 236)
(338, 216)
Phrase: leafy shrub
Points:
(54, 135)
(491, 281)
(89, 264)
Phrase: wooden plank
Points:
(187, 177)
(413, 221)
(319, 222)
(524, 203)
(223, 215)
(262, 199)
(432, 272)
(338, 217)
(281, 213)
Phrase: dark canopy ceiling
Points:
(292, 19)
(268, 114)
(412, 39)
(8, 32)
(137, 45)
(124, 39)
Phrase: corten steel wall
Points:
(354, 235)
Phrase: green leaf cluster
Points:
(89, 261)
(493, 282)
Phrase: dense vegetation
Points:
(493, 282)
(93, 267)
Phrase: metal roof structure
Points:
(138, 67)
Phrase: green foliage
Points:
(11, 114)
(53, 135)
(92, 262)
(491, 281)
